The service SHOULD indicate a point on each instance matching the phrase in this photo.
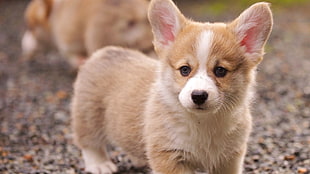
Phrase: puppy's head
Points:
(37, 33)
(209, 67)
(127, 24)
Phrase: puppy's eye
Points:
(220, 71)
(185, 70)
(131, 23)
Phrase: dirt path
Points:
(35, 97)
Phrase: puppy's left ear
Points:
(252, 29)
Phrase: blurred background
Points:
(35, 135)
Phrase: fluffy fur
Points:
(77, 28)
(178, 120)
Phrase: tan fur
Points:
(102, 75)
(77, 28)
(126, 99)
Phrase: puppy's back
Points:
(101, 92)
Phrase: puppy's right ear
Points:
(166, 21)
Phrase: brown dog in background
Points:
(77, 28)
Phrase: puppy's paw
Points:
(103, 168)
(136, 162)
(97, 162)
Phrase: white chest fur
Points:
(206, 139)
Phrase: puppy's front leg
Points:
(97, 162)
(169, 162)
(232, 166)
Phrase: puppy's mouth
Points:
(200, 108)
(203, 109)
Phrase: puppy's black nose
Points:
(199, 97)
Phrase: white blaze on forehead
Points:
(204, 42)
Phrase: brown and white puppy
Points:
(187, 111)
(77, 28)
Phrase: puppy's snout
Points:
(199, 97)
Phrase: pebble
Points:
(302, 170)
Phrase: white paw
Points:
(97, 163)
(29, 44)
(103, 168)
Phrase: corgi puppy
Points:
(77, 28)
(188, 111)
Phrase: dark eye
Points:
(185, 70)
(131, 23)
(220, 71)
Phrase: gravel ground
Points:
(35, 97)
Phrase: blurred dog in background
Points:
(77, 28)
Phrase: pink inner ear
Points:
(166, 25)
(249, 40)
(166, 31)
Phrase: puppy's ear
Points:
(252, 29)
(45, 9)
(166, 21)
(39, 11)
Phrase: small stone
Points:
(61, 94)
(61, 116)
(256, 158)
(289, 157)
(4, 154)
(302, 170)
(70, 171)
(28, 158)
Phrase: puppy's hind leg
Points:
(88, 130)
(93, 147)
